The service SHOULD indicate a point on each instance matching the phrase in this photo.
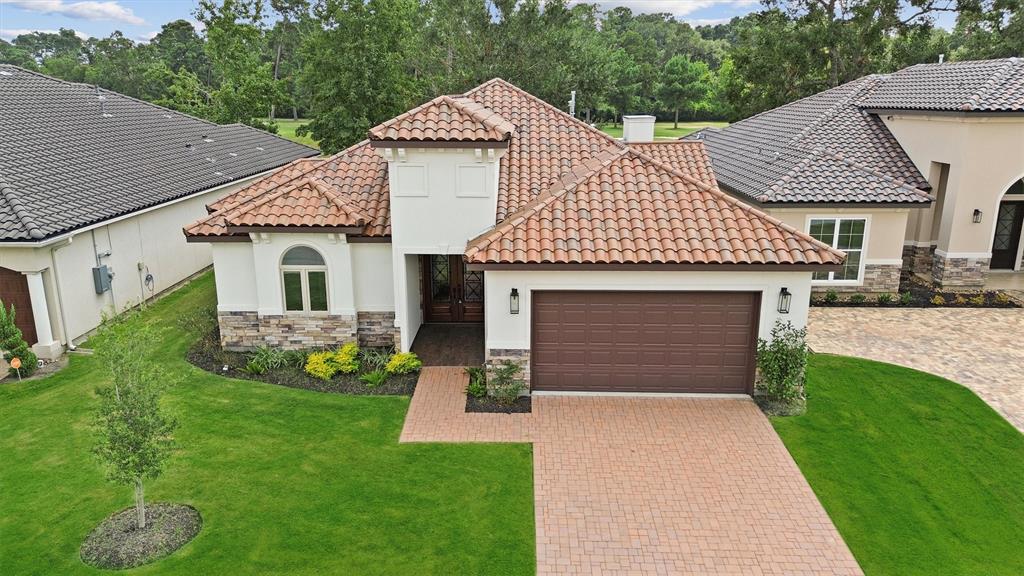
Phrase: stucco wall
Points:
(506, 331)
(151, 240)
(985, 155)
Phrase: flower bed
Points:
(918, 293)
(207, 354)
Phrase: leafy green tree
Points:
(186, 93)
(13, 344)
(134, 434)
(43, 45)
(356, 67)
(11, 54)
(684, 84)
(626, 78)
(178, 46)
(991, 30)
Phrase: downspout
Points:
(65, 331)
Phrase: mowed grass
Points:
(287, 481)
(286, 129)
(665, 129)
(918, 473)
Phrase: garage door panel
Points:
(643, 341)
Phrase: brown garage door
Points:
(644, 341)
(14, 290)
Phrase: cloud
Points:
(146, 36)
(674, 7)
(12, 33)
(705, 21)
(87, 10)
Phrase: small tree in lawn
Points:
(13, 344)
(684, 84)
(134, 434)
(781, 362)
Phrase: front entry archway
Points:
(1009, 222)
(450, 292)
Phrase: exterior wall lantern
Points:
(977, 216)
(785, 297)
(513, 302)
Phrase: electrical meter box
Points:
(101, 278)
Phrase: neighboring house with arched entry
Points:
(927, 160)
(94, 189)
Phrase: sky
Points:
(141, 19)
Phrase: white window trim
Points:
(304, 284)
(863, 250)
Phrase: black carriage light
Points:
(784, 299)
(513, 302)
(977, 216)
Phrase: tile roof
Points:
(970, 86)
(823, 148)
(686, 156)
(567, 193)
(303, 203)
(75, 155)
(445, 118)
(625, 208)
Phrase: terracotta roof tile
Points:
(446, 118)
(304, 202)
(686, 156)
(632, 209)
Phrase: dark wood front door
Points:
(1007, 237)
(14, 291)
(452, 293)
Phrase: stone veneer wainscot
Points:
(959, 272)
(241, 331)
(878, 279)
(496, 356)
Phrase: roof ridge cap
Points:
(340, 201)
(502, 124)
(545, 104)
(26, 220)
(864, 168)
(751, 210)
(997, 75)
(832, 111)
(269, 195)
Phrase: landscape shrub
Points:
(264, 358)
(477, 387)
(1002, 298)
(404, 363)
(505, 383)
(906, 298)
(938, 300)
(374, 359)
(346, 358)
(295, 358)
(374, 378)
(781, 362)
(978, 300)
(13, 345)
(321, 365)
(884, 299)
(858, 299)
(960, 300)
(831, 297)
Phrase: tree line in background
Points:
(350, 64)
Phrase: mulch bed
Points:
(208, 355)
(774, 408)
(118, 543)
(522, 405)
(921, 294)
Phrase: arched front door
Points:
(1009, 220)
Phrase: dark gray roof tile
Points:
(969, 86)
(74, 155)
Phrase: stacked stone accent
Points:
(240, 331)
(496, 356)
(918, 259)
(377, 330)
(878, 279)
(959, 272)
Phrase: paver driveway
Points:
(649, 485)
(977, 347)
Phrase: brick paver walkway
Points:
(649, 485)
(977, 347)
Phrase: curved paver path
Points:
(981, 348)
(649, 485)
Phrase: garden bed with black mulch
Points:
(487, 404)
(778, 408)
(916, 292)
(118, 543)
(207, 354)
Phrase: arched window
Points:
(304, 276)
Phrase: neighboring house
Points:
(94, 189)
(598, 265)
(919, 170)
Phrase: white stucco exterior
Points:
(505, 330)
(148, 242)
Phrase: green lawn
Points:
(665, 129)
(286, 129)
(288, 481)
(919, 474)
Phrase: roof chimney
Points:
(638, 128)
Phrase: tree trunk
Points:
(277, 63)
(140, 504)
(675, 123)
(295, 113)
